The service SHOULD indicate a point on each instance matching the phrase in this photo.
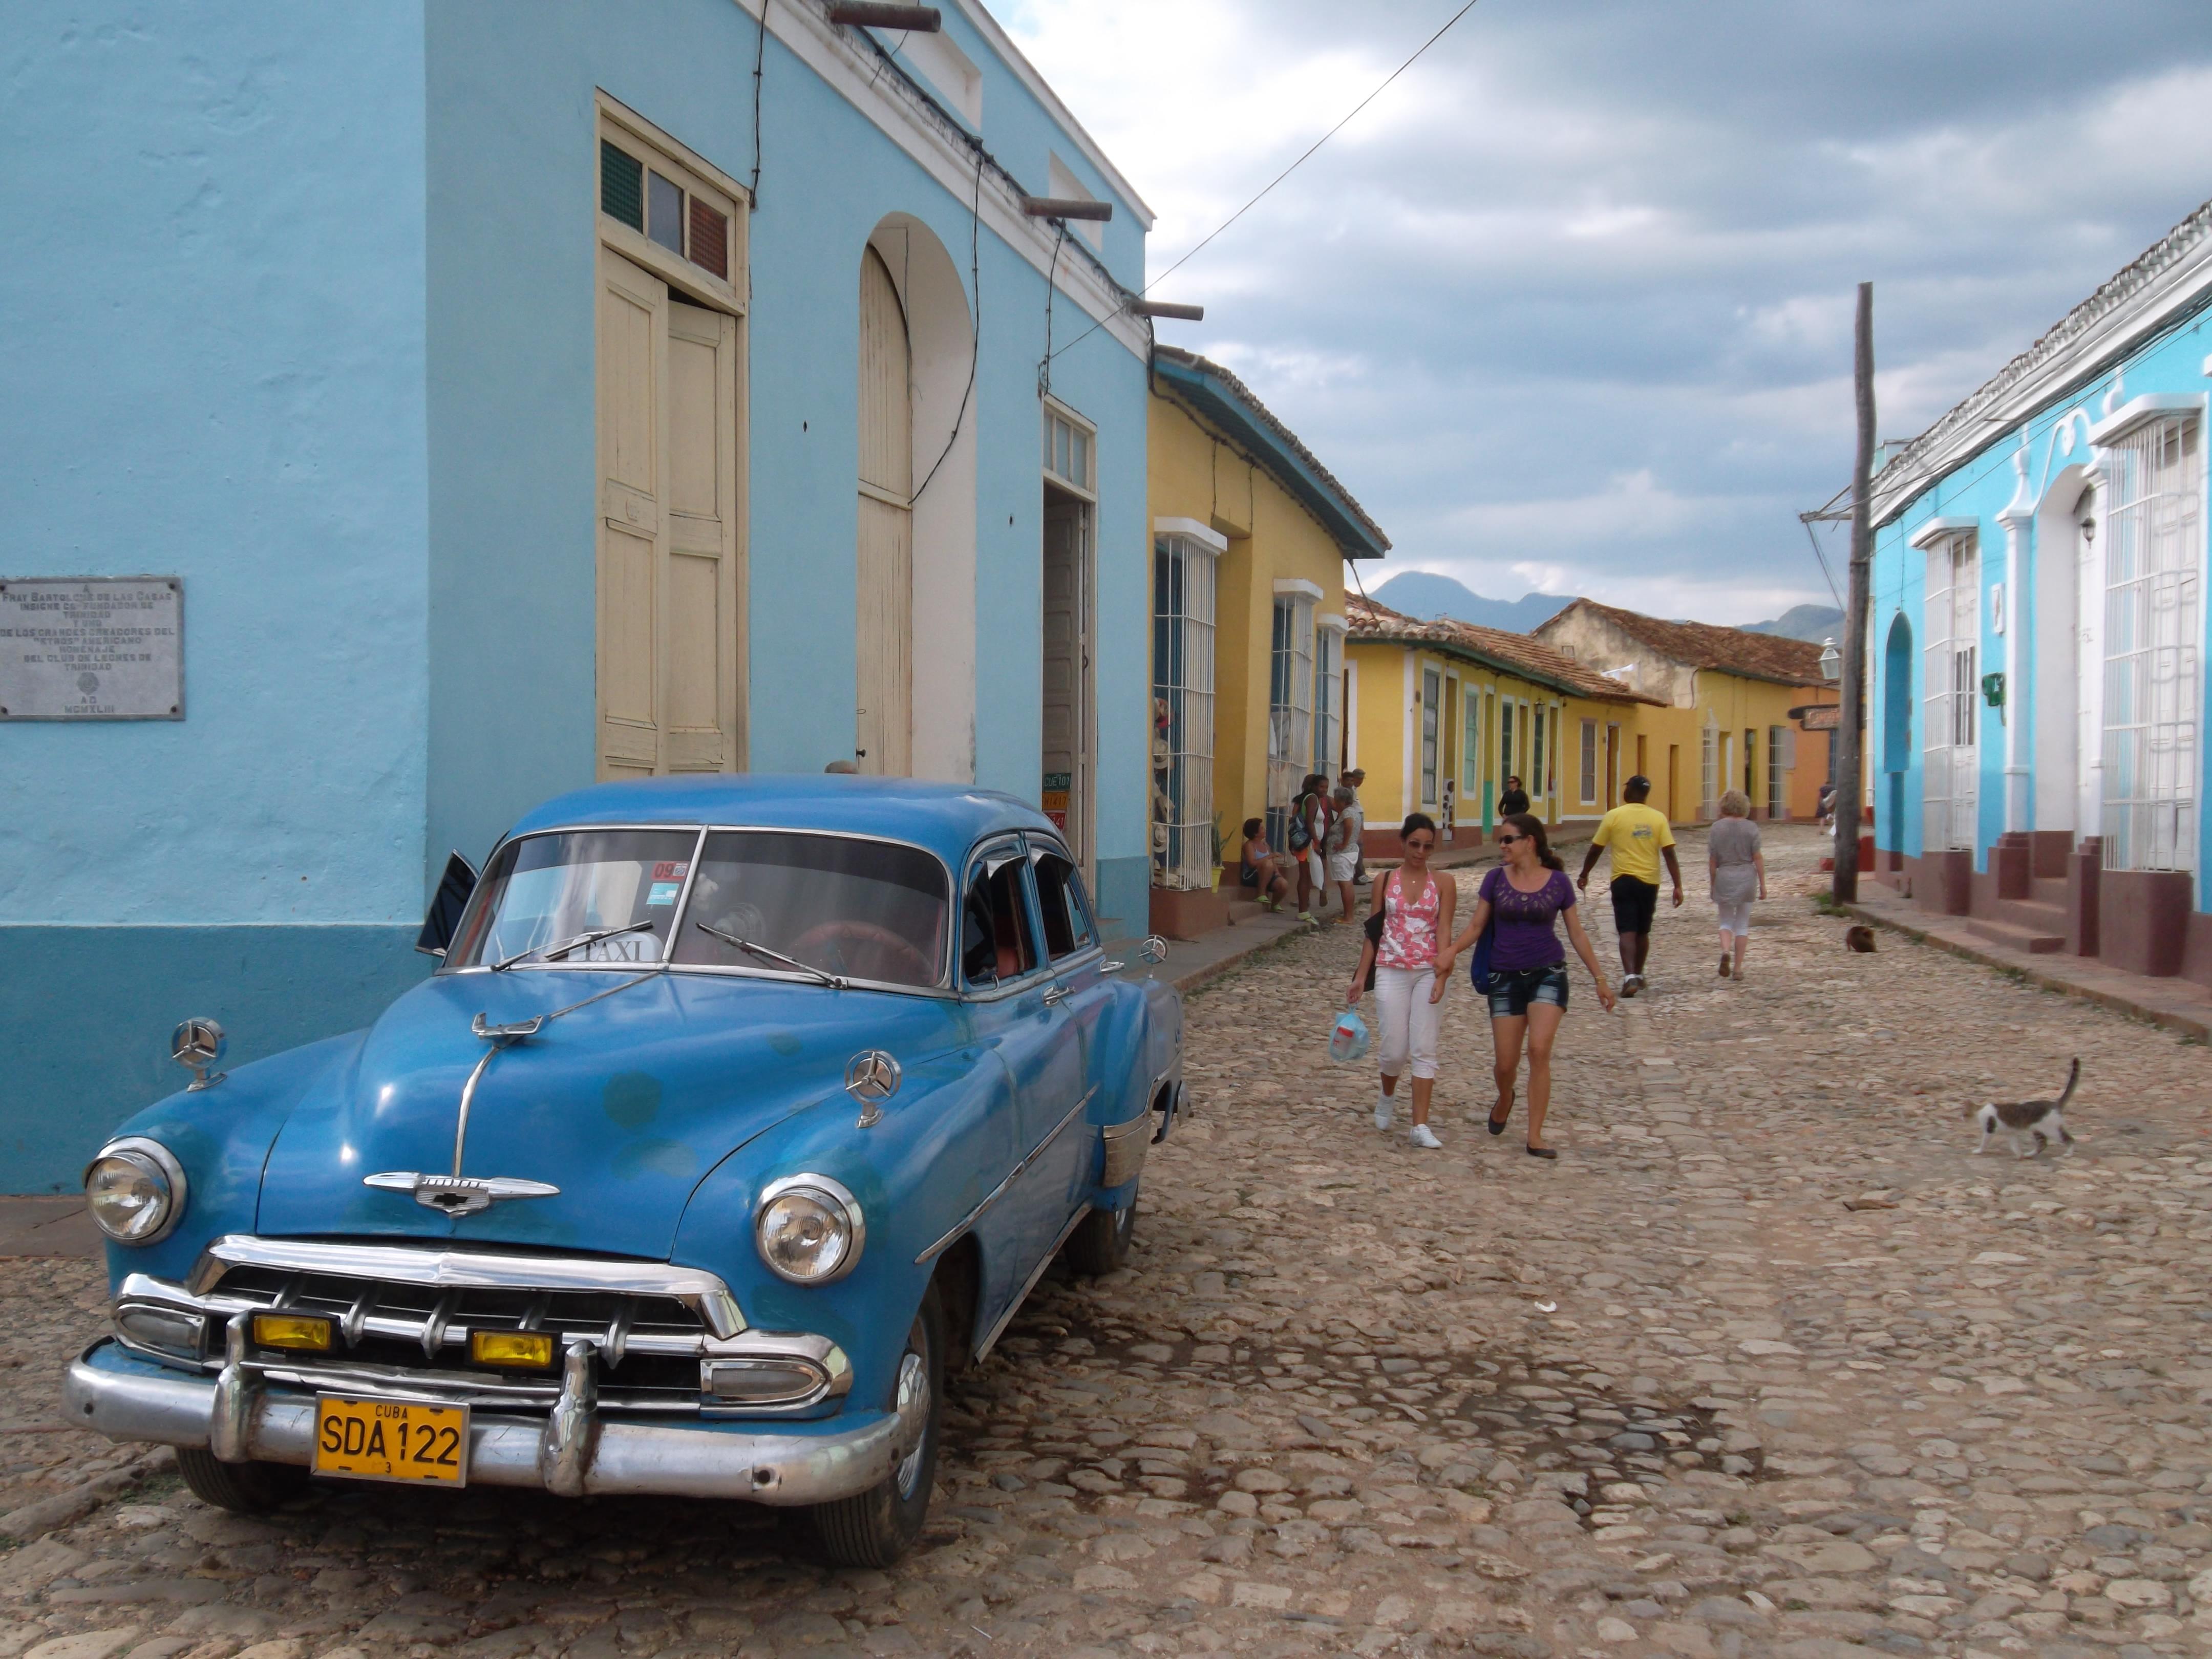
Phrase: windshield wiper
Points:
(762, 950)
(550, 951)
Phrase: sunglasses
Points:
(1419, 844)
(1507, 841)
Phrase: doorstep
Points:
(2178, 1004)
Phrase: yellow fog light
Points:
(532, 1349)
(292, 1331)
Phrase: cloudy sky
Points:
(1569, 307)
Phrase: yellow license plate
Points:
(391, 1440)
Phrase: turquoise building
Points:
(2036, 655)
(515, 395)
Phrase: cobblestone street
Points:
(1766, 1364)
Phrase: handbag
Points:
(1478, 964)
(1374, 925)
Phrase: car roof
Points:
(947, 819)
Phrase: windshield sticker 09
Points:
(671, 870)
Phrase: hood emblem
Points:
(871, 1077)
(458, 1194)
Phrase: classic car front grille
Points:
(648, 1344)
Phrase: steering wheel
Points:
(866, 933)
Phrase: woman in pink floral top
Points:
(1415, 910)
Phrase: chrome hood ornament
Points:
(458, 1194)
(871, 1077)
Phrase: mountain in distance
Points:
(1815, 623)
(1428, 595)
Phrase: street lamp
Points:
(1831, 660)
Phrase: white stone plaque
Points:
(92, 649)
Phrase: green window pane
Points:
(622, 185)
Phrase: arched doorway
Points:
(915, 576)
(884, 691)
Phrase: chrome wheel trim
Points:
(912, 1405)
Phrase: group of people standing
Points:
(1519, 962)
(1323, 828)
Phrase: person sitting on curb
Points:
(1262, 871)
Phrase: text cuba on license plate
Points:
(391, 1440)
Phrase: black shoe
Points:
(1497, 1125)
(1543, 1152)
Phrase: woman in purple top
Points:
(1527, 893)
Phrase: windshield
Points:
(856, 909)
(543, 891)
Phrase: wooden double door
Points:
(671, 624)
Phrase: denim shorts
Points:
(1512, 991)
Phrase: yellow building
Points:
(1734, 711)
(1442, 713)
(1250, 535)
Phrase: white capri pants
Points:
(1407, 1022)
(1736, 915)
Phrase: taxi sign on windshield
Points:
(391, 1440)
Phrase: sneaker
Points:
(1631, 985)
(1421, 1136)
(1305, 915)
(1385, 1110)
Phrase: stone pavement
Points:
(1766, 1364)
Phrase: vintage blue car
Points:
(738, 1111)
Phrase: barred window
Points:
(1952, 762)
(1290, 711)
(2153, 540)
(1183, 575)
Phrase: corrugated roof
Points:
(1702, 645)
(1511, 653)
(1219, 396)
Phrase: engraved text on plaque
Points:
(92, 649)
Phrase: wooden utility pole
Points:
(1851, 720)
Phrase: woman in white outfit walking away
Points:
(1416, 910)
(1738, 870)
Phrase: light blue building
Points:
(2036, 654)
(508, 396)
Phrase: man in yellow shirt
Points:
(1638, 837)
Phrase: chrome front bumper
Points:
(572, 1452)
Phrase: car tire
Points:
(1100, 1243)
(242, 1488)
(875, 1528)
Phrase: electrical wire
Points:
(1825, 573)
(1051, 288)
(1303, 159)
(760, 63)
(976, 328)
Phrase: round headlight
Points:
(135, 1191)
(808, 1229)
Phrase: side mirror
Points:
(443, 919)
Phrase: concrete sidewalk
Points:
(2177, 1004)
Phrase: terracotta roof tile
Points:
(1731, 650)
(1514, 653)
